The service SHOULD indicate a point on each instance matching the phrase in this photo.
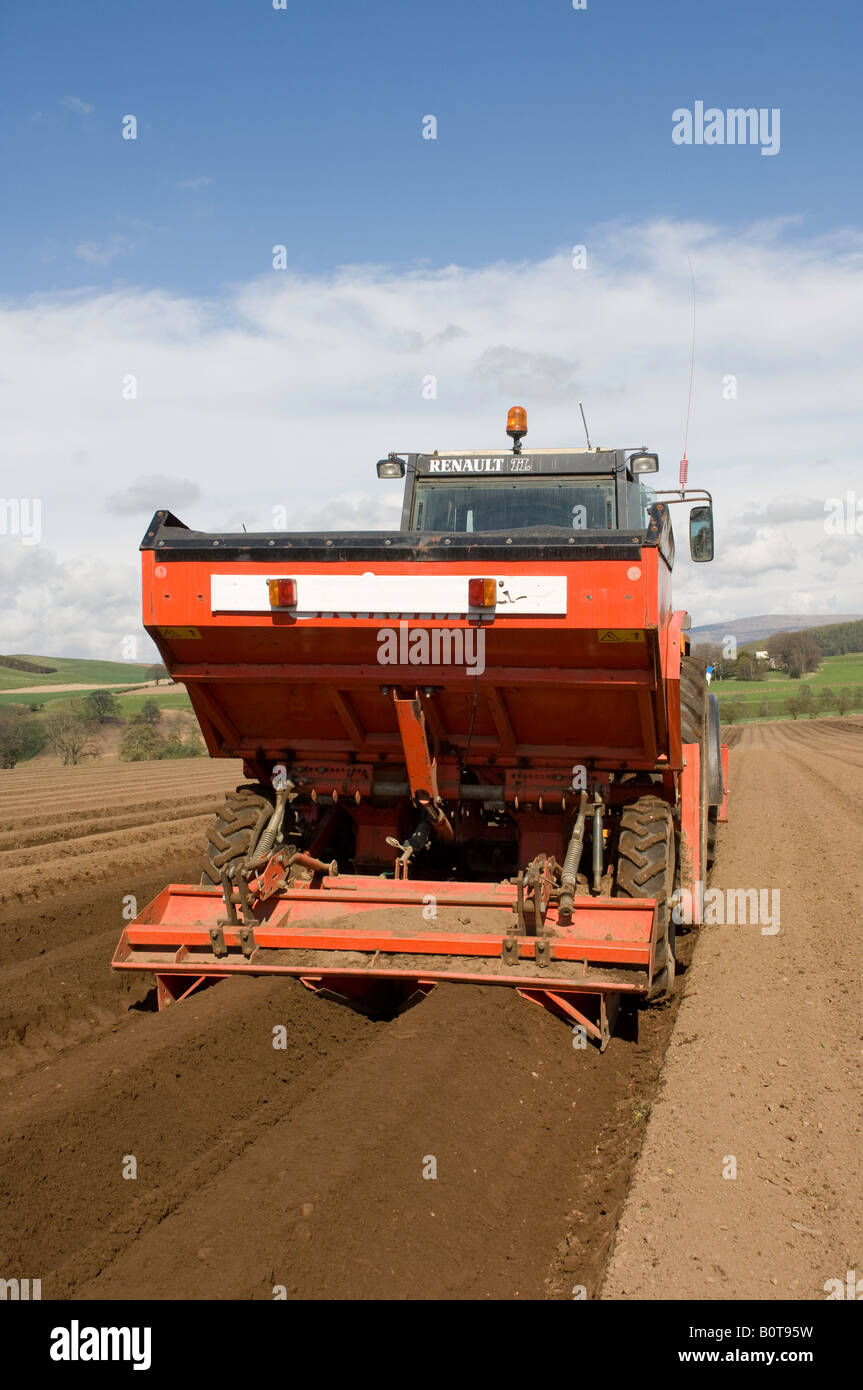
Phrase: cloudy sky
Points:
(151, 355)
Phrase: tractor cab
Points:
(547, 491)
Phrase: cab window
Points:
(505, 504)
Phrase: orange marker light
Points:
(283, 592)
(516, 421)
(482, 593)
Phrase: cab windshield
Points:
(508, 504)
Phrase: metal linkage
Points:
(598, 812)
(572, 860)
(262, 877)
(535, 887)
(414, 844)
(274, 824)
(421, 766)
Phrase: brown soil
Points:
(66, 827)
(765, 1063)
(304, 1167)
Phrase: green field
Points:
(834, 671)
(71, 671)
(166, 697)
(173, 697)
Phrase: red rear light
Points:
(482, 593)
(283, 592)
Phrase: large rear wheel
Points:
(694, 728)
(645, 869)
(237, 829)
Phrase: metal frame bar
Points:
(606, 951)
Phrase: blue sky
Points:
(261, 393)
(306, 126)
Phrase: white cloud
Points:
(536, 374)
(201, 181)
(83, 108)
(143, 496)
(284, 390)
(80, 607)
(842, 553)
(784, 509)
(347, 511)
(768, 549)
(100, 253)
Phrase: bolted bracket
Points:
(247, 941)
(509, 950)
(217, 938)
(542, 950)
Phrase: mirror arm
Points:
(692, 494)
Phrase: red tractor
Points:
(477, 748)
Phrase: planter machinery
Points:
(477, 749)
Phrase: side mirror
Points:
(392, 467)
(701, 534)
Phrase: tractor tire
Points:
(712, 839)
(645, 869)
(716, 781)
(236, 829)
(695, 728)
(715, 787)
(693, 699)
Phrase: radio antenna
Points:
(684, 462)
(584, 422)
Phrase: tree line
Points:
(72, 730)
(796, 653)
(805, 703)
(838, 639)
(17, 663)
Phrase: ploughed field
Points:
(302, 1166)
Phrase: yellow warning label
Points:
(620, 634)
(179, 632)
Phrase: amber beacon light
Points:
(516, 425)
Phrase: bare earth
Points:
(260, 1167)
(765, 1063)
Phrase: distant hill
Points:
(68, 670)
(756, 629)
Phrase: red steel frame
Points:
(607, 950)
(242, 669)
(232, 664)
